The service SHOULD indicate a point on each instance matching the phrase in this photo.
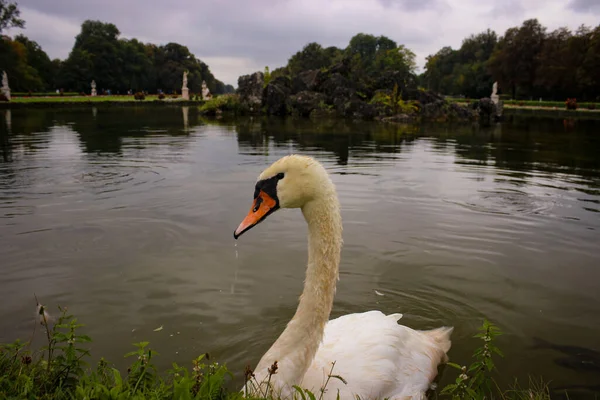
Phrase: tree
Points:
(312, 56)
(13, 60)
(514, 61)
(439, 69)
(9, 16)
(39, 60)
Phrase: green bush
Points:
(222, 103)
(394, 102)
(139, 96)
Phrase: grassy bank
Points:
(60, 370)
(76, 101)
(585, 106)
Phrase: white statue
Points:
(93, 84)
(205, 92)
(494, 97)
(185, 92)
(5, 89)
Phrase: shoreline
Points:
(509, 110)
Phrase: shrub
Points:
(571, 104)
(3, 97)
(394, 102)
(266, 77)
(174, 96)
(161, 96)
(591, 106)
(139, 96)
(226, 102)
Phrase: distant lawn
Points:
(584, 106)
(86, 99)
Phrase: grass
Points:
(59, 370)
(535, 103)
(87, 99)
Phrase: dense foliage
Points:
(528, 63)
(369, 60)
(116, 64)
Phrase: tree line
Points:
(528, 62)
(116, 64)
(371, 62)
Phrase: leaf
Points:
(497, 351)
(160, 328)
(299, 390)
(310, 395)
(453, 365)
(340, 378)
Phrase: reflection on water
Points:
(126, 216)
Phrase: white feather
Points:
(377, 357)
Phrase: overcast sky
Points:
(236, 37)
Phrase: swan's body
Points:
(377, 357)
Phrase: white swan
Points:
(377, 357)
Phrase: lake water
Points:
(126, 215)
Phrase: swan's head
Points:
(290, 182)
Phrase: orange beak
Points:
(262, 206)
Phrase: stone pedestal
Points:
(499, 110)
(495, 98)
(185, 93)
(5, 89)
(186, 111)
(94, 92)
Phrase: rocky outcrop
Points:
(400, 118)
(305, 102)
(323, 92)
(441, 110)
(355, 108)
(486, 109)
(306, 81)
(250, 90)
(276, 97)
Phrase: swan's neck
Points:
(296, 347)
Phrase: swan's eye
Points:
(280, 175)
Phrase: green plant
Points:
(161, 96)
(226, 102)
(266, 77)
(394, 102)
(58, 371)
(139, 96)
(475, 381)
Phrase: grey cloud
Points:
(508, 8)
(585, 6)
(413, 5)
